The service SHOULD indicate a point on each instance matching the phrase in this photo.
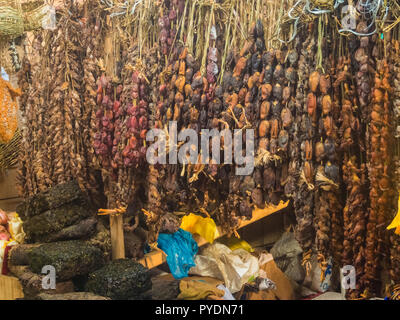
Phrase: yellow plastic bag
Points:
(15, 228)
(8, 110)
(205, 227)
(234, 243)
(396, 222)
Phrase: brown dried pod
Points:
(232, 100)
(286, 94)
(257, 197)
(279, 73)
(264, 128)
(319, 151)
(266, 90)
(269, 178)
(328, 126)
(314, 81)
(263, 144)
(326, 105)
(246, 47)
(312, 105)
(277, 91)
(325, 84)
(188, 90)
(309, 172)
(364, 42)
(240, 65)
(290, 75)
(286, 117)
(378, 95)
(274, 129)
(308, 150)
(242, 94)
(265, 110)
(283, 139)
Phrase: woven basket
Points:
(29, 5)
(33, 19)
(9, 152)
(11, 18)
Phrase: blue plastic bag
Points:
(180, 249)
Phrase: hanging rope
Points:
(369, 10)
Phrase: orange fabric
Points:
(8, 110)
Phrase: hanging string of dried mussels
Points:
(306, 107)
(327, 181)
(395, 238)
(54, 108)
(380, 165)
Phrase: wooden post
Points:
(116, 221)
(117, 237)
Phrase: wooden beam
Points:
(156, 258)
(116, 221)
(117, 237)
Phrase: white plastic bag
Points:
(235, 268)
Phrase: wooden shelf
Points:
(158, 257)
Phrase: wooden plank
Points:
(10, 288)
(156, 258)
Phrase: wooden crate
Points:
(10, 288)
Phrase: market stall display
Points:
(305, 93)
